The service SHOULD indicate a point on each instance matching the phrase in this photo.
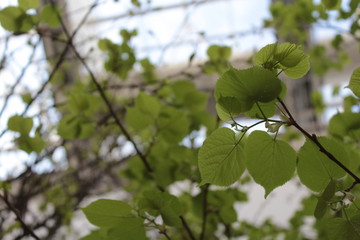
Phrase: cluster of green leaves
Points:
(79, 121)
(321, 63)
(222, 159)
(121, 57)
(26, 142)
(20, 19)
(164, 121)
(271, 162)
(218, 62)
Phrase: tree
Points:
(96, 126)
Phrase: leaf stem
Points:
(262, 113)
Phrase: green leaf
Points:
(349, 102)
(148, 104)
(28, 4)
(216, 52)
(163, 203)
(107, 212)
(330, 4)
(20, 124)
(15, 19)
(329, 191)
(136, 3)
(173, 124)
(270, 162)
(343, 229)
(75, 126)
(221, 158)
(129, 229)
(344, 125)
(248, 86)
(228, 214)
(30, 144)
(269, 110)
(354, 84)
(265, 56)
(292, 60)
(82, 103)
(94, 235)
(299, 70)
(289, 55)
(315, 169)
(50, 15)
(137, 119)
(323, 200)
(320, 208)
(26, 98)
(317, 101)
(227, 108)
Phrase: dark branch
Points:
(25, 227)
(322, 149)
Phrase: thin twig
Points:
(186, 226)
(314, 139)
(118, 122)
(105, 98)
(25, 227)
(20, 77)
(57, 64)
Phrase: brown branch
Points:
(314, 139)
(25, 227)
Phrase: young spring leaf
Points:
(330, 4)
(265, 56)
(30, 144)
(137, 119)
(248, 86)
(227, 107)
(173, 124)
(148, 104)
(292, 60)
(131, 228)
(269, 161)
(315, 169)
(289, 55)
(354, 84)
(20, 124)
(50, 15)
(28, 4)
(221, 158)
(322, 203)
(9, 18)
(165, 204)
(343, 229)
(107, 212)
(344, 125)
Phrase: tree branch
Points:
(322, 149)
(25, 227)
